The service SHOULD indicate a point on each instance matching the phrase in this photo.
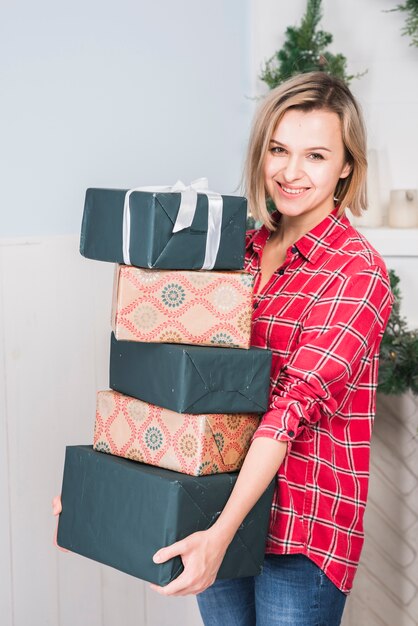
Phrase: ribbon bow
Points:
(187, 210)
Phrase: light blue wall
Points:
(117, 94)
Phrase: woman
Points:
(322, 301)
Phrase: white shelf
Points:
(397, 242)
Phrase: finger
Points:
(176, 587)
(186, 591)
(182, 586)
(56, 505)
(55, 540)
(163, 555)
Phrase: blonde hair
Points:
(308, 92)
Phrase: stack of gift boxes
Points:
(187, 390)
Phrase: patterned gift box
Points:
(191, 444)
(203, 308)
(152, 242)
(120, 513)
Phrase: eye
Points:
(277, 150)
(315, 156)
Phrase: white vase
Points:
(403, 208)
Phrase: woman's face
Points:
(305, 160)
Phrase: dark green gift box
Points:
(192, 379)
(152, 242)
(120, 512)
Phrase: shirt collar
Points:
(322, 236)
(312, 245)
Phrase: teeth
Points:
(295, 192)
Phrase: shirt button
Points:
(255, 305)
(281, 272)
(293, 249)
(291, 433)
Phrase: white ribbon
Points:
(187, 210)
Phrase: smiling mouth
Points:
(294, 191)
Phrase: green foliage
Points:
(251, 223)
(411, 23)
(305, 50)
(398, 368)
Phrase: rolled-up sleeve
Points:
(339, 340)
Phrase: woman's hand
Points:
(56, 505)
(202, 554)
(56, 510)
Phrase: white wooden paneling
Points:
(6, 601)
(171, 611)
(386, 586)
(55, 320)
(123, 599)
(49, 352)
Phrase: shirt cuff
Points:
(282, 427)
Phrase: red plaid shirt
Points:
(323, 314)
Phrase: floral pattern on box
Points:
(204, 308)
(191, 444)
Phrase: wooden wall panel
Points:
(171, 611)
(6, 599)
(386, 586)
(55, 332)
(50, 374)
(123, 595)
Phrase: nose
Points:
(293, 169)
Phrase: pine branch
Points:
(305, 50)
(398, 366)
(411, 22)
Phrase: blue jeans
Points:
(290, 591)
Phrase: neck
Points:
(292, 228)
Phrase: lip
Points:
(293, 195)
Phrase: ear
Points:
(346, 171)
